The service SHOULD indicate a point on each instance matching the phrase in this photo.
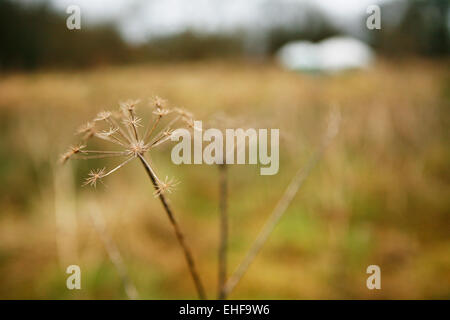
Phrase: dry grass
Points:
(380, 196)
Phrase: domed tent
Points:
(330, 55)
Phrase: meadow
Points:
(380, 194)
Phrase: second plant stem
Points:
(223, 241)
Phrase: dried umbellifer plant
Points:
(124, 130)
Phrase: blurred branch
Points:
(285, 201)
(113, 252)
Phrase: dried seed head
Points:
(161, 112)
(191, 123)
(168, 185)
(159, 102)
(69, 153)
(121, 129)
(184, 113)
(88, 130)
(103, 116)
(77, 148)
(93, 176)
(132, 121)
(110, 132)
(85, 128)
(137, 148)
(129, 105)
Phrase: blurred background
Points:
(380, 195)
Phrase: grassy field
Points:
(381, 194)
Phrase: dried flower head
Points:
(88, 130)
(133, 121)
(184, 113)
(161, 112)
(123, 129)
(109, 132)
(103, 116)
(168, 185)
(93, 176)
(158, 102)
(69, 153)
(129, 105)
(138, 148)
(190, 123)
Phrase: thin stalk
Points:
(102, 151)
(113, 253)
(148, 132)
(178, 233)
(118, 167)
(270, 224)
(133, 117)
(97, 156)
(284, 202)
(122, 133)
(161, 134)
(111, 138)
(223, 240)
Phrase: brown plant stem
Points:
(284, 202)
(270, 224)
(223, 240)
(178, 233)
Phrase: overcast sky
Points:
(140, 19)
